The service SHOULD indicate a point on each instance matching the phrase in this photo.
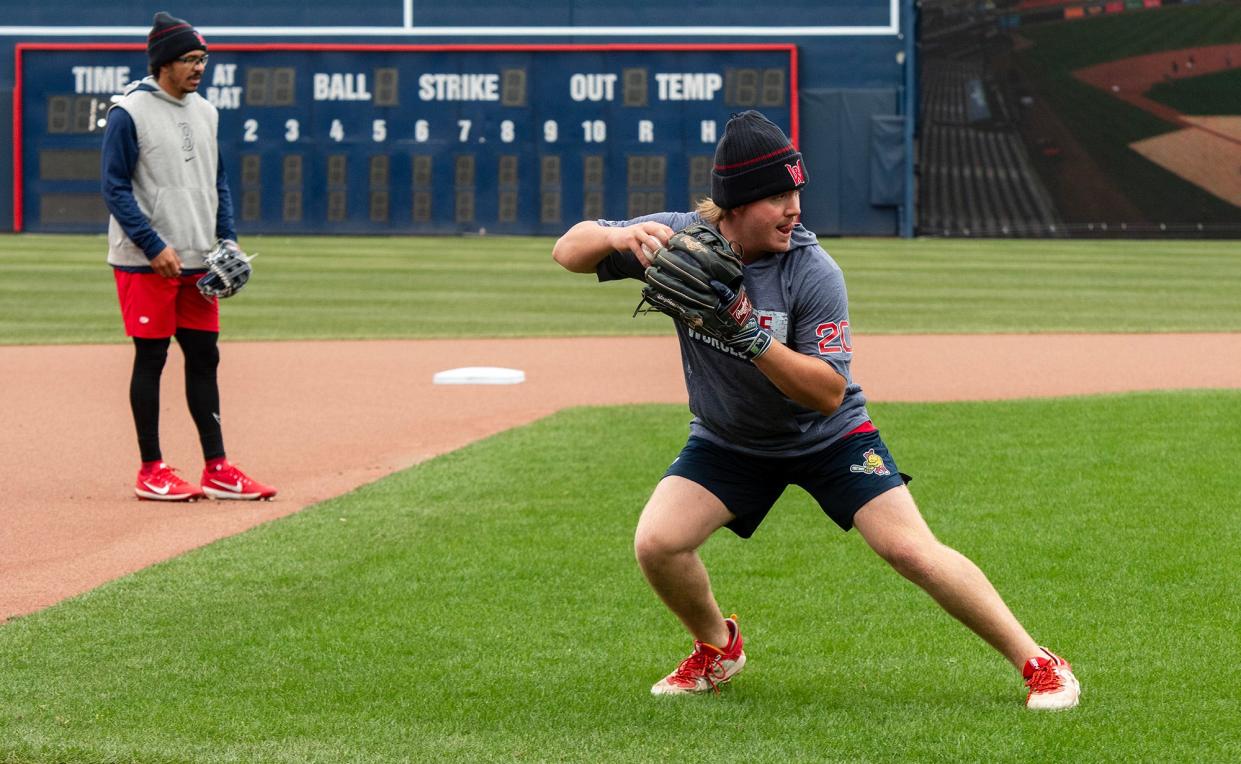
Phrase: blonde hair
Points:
(709, 211)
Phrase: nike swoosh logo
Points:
(160, 489)
(234, 488)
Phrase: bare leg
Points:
(677, 520)
(895, 529)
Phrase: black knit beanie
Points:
(171, 38)
(754, 160)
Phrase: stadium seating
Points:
(975, 177)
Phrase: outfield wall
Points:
(567, 141)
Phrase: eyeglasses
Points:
(193, 60)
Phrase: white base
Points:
(480, 375)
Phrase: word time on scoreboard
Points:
(414, 139)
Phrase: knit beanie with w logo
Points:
(754, 160)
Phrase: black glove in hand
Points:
(740, 331)
(697, 279)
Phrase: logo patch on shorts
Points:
(872, 464)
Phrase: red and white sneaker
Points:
(222, 480)
(159, 482)
(707, 667)
(1052, 684)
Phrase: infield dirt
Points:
(1207, 149)
(319, 419)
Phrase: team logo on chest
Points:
(187, 140)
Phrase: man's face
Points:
(766, 225)
(183, 75)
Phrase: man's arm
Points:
(120, 157)
(224, 209)
(586, 244)
(812, 367)
(803, 378)
(802, 375)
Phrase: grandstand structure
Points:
(1079, 118)
(975, 175)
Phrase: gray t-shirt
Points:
(800, 298)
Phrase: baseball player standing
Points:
(169, 201)
(776, 405)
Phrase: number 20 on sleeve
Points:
(833, 337)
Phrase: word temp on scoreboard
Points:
(413, 139)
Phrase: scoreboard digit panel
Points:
(415, 139)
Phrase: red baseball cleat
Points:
(222, 480)
(707, 667)
(159, 482)
(1052, 684)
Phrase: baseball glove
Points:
(228, 270)
(697, 279)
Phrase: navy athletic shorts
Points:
(842, 477)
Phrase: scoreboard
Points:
(508, 139)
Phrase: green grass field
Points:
(485, 605)
(1211, 94)
(1083, 42)
(1106, 126)
(57, 289)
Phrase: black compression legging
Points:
(202, 393)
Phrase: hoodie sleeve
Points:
(120, 157)
(224, 228)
